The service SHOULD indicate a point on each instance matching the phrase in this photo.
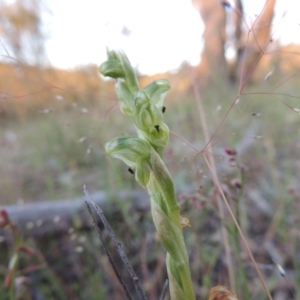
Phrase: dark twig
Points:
(164, 291)
(108, 255)
(118, 247)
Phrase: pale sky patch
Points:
(161, 34)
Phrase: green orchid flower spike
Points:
(143, 155)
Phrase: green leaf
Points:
(166, 186)
(142, 173)
(169, 234)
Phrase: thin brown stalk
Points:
(217, 183)
(219, 202)
(165, 290)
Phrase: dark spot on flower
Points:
(130, 171)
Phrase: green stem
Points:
(166, 219)
(241, 275)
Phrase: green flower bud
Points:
(111, 54)
(118, 66)
(157, 91)
(142, 98)
(157, 135)
(112, 68)
(128, 149)
(146, 115)
(130, 77)
(135, 153)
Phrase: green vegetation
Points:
(50, 155)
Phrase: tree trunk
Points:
(213, 67)
(259, 39)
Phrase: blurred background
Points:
(232, 64)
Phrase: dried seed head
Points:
(185, 222)
(4, 220)
(235, 182)
(231, 159)
(230, 151)
(221, 293)
(27, 250)
(8, 278)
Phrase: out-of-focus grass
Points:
(50, 155)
